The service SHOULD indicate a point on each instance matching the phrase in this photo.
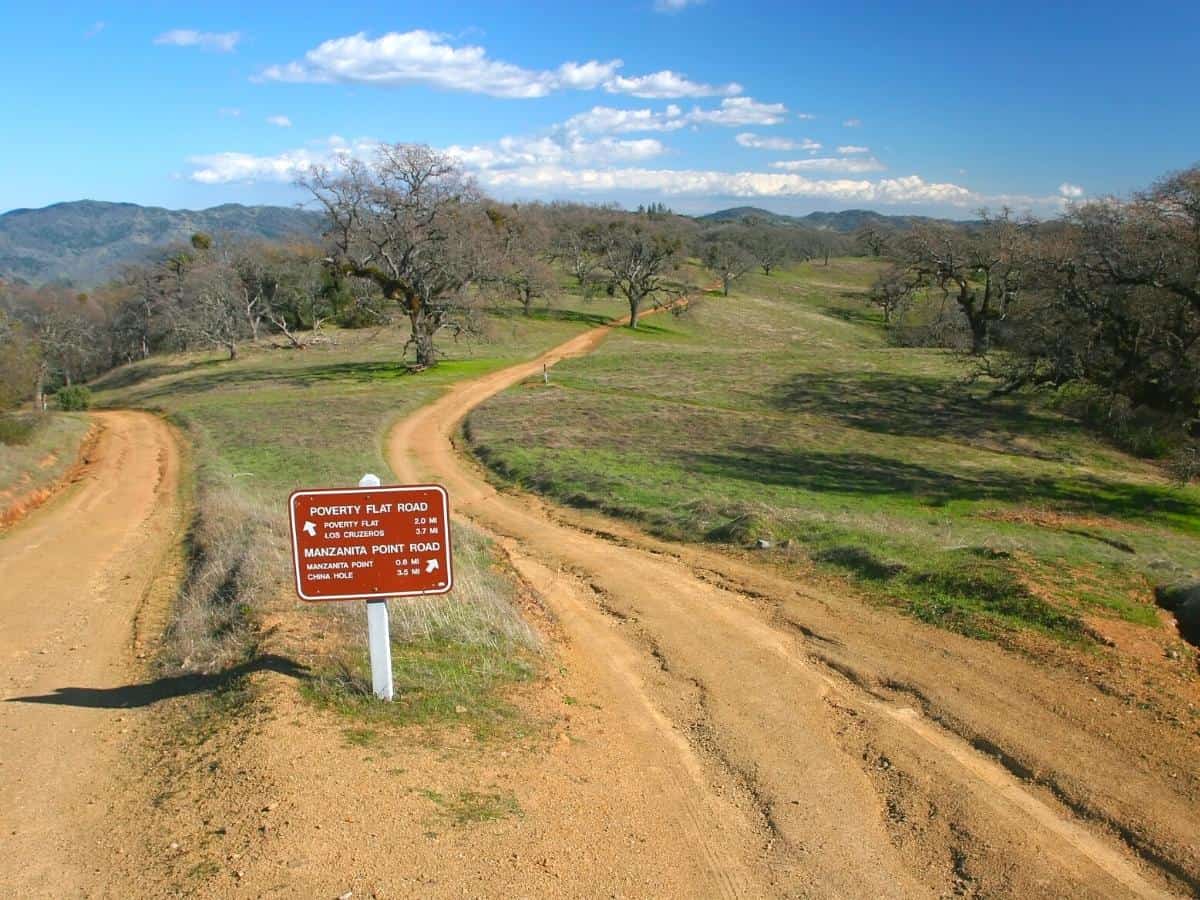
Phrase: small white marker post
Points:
(379, 634)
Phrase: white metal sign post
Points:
(379, 631)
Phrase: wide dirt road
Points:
(846, 741)
(76, 578)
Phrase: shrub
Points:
(74, 398)
(17, 429)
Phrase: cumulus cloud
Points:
(514, 152)
(427, 57)
(909, 189)
(852, 123)
(740, 111)
(733, 112)
(668, 85)
(229, 112)
(607, 120)
(221, 42)
(227, 168)
(830, 164)
(805, 116)
(507, 153)
(674, 6)
(847, 149)
(279, 121)
(760, 142)
(1070, 191)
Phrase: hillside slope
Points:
(844, 221)
(86, 241)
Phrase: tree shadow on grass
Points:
(919, 406)
(543, 314)
(128, 376)
(131, 696)
(865, 474)
(357, 372)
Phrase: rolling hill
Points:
(87, 241)
(843, 222)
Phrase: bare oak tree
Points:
(726, 259)
(640, 261)
(411, 222)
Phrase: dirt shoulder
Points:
(81, 582)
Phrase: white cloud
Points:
(96, 28)
(1070, 191)
(424, 57)
(759, 142)
(847, 149)
(674, 6)
(830, 164)
(222, 42)
(740, 111)
(229, 112)
(514, 152)
(280, 121)
(226, 168)
(606, 120)
(668, 85)
(427, 57)
(732, 113)
(805, 116)
(909, 189)
(852, 123)
(505, 154)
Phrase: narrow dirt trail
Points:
(74, 580)
(702, 653)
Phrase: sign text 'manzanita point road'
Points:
(371, 542)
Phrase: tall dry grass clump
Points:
(237, 551)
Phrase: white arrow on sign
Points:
(310, 529)
(431, 566)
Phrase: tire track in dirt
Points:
(770, 704)
(75, 578)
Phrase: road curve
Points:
(734, 698)
(74, 578)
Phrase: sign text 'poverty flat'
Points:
(371, 542)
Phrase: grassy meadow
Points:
(274, 420)
(783, 413)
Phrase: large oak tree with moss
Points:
(415, 225)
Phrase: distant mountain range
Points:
(844, 222)
(86, 241)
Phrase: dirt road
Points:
(77, 578)
(800, 743)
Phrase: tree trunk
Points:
(231, 346)
(725, 284)
(527, 300)
(422, 338)
(39, 389)
(635, 307)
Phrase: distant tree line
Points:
(407, 233)
(1100, 305)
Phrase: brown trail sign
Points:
(370, 543)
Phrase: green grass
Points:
(784, 412)
(37, 450)
(473, 807)
(438, 683)
(274, 420)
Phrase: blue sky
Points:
(934, 107)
